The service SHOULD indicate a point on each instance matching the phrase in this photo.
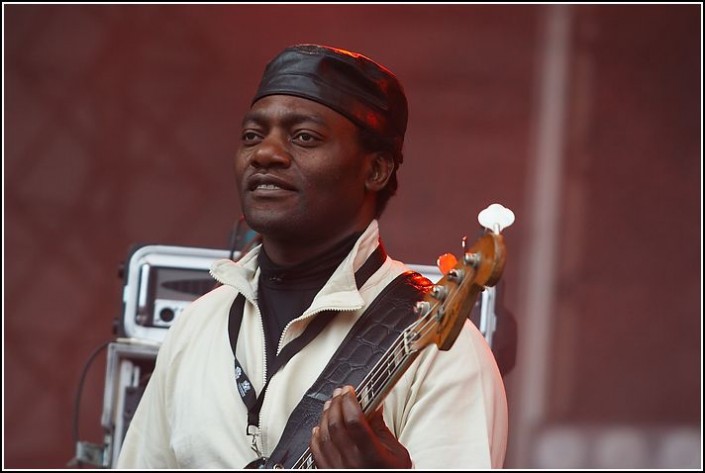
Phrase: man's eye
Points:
(250, 137)
(305, 138)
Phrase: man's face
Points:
(301, 172)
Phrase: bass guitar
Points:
(440, 315)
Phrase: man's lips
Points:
(268, 183)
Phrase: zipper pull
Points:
(253, 431)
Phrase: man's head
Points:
(318, 85)
(353, 85)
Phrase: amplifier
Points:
(160, 281)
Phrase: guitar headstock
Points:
(442, 312)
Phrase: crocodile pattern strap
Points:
(387, 316)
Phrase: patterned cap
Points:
(351, 84)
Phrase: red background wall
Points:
(121, 123)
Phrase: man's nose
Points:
(272, 151)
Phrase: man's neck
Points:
(292, 251)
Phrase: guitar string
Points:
(421, 327)
(396, 349)
(307, 457)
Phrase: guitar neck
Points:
(378, 383)
(385, 374)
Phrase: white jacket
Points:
(449, 409)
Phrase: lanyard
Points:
(244, 386)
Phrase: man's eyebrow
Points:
(290, 119)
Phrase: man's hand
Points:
(345, 439)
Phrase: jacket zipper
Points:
(308, 316)
(257, 432)
(279, 347)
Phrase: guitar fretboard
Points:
(381, 379)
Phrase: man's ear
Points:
(381, 168)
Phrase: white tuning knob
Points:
(496, 218)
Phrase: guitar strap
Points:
(242, 381)
(374, 332)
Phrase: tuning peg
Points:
(446, 262)
(496, 218)
(439, 292)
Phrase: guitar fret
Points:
(365, 396)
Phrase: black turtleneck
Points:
(285, 292)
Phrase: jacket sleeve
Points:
(450, 409)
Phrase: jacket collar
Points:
(339, 293)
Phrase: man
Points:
(320, 147)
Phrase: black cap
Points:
(351, 84)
